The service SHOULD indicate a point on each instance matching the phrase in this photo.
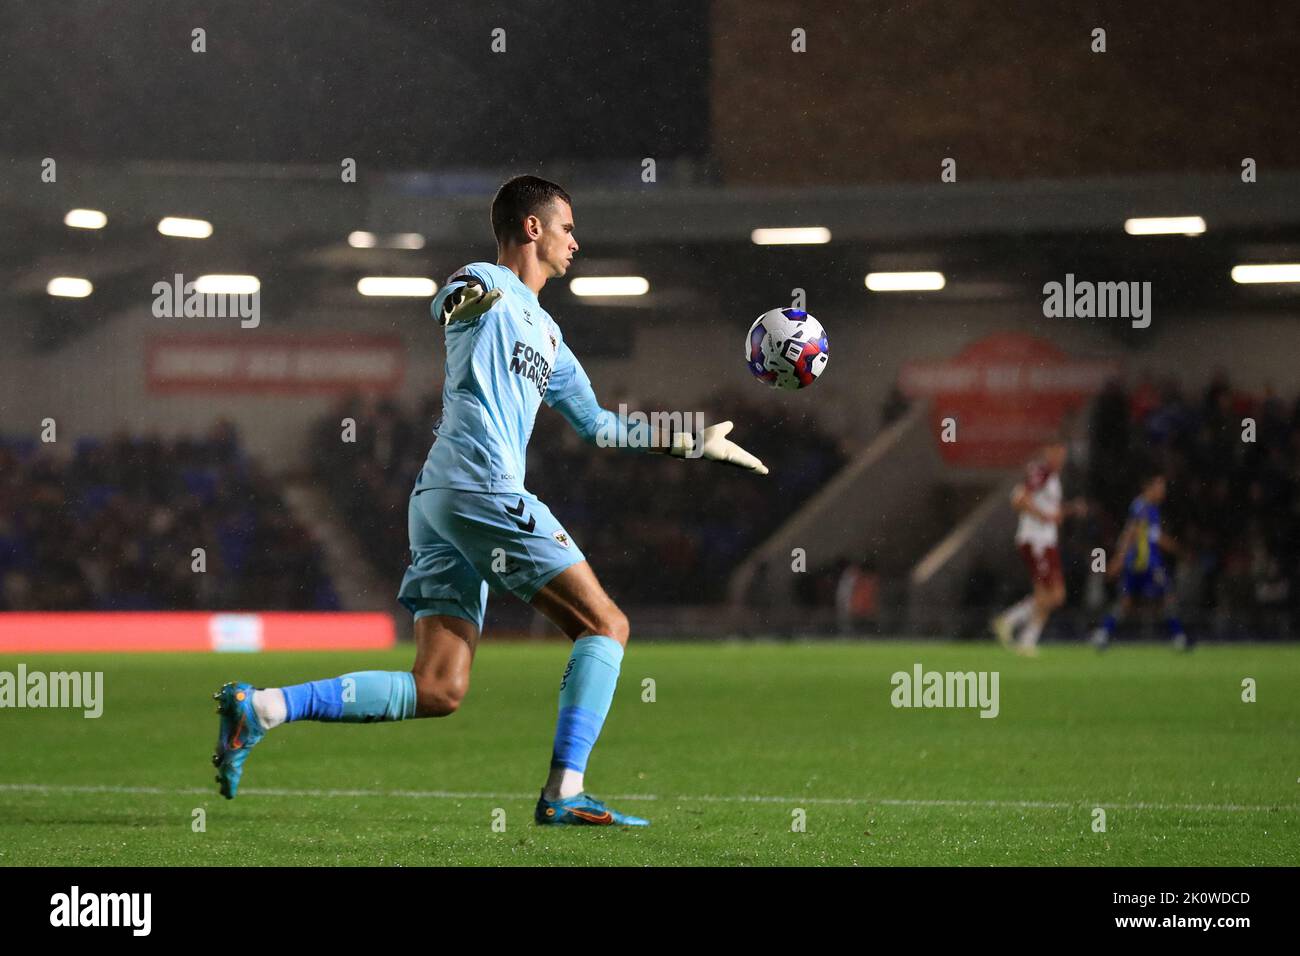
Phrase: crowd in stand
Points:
(1232, 460)
(656, 530)
(114, 525)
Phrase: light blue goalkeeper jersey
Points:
(500, 368)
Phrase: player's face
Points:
(556, 246)
(1055, 456)
(1156, 491)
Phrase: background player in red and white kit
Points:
(1039, 500)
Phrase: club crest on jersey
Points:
(562, 538)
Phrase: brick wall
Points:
(1011, 90)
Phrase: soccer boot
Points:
(582, 810)
(1003, 631)
(240, 731)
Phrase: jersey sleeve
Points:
(569, 392)
(458, 280)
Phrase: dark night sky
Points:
(308, 81)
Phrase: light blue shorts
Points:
(461, 540)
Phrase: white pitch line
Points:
(685, 798)
(995, 804)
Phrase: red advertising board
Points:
(1007, 393)
(88, 632)
(255, 362)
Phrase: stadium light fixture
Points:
(905, 281)
(183, 228)
(85, 219)
(398, 240)
(1266, 272)
(227, 285)
(1165, 226)
(609, 285)
(412, 286)
(69, 287)
(793, 236)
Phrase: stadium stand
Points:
(113, 527)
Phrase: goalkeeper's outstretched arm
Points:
(599, 426)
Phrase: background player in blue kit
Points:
(1143, 575)
(471, 520)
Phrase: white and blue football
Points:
(787, 348)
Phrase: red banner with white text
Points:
(255, 362)
(1004, 395)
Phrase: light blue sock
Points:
(361, 697)
(586, 692)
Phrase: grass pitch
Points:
(738, 738)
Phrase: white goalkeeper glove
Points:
(715, 446)
(468, 303)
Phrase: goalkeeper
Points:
(471, 521)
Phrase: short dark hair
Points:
(519, 198)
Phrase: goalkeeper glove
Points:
(715, 446)
(468, 303)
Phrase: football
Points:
(787, 348)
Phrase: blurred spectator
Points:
(896, 406)
(857, 596)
